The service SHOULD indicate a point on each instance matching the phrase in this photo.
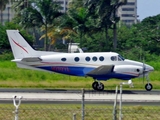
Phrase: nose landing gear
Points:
(148, 86)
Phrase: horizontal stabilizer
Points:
(31, 59)
(102, 70)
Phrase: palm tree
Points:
(41, 13)
(19, 6)
(53, 34)
(62, 29)
(104, 12)
(78, 15)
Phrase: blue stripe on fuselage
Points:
(69, 70)
(82, 71)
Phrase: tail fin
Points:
(20, 47)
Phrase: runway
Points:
(75, 96)
(31, 90)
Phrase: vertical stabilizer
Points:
(20, 47)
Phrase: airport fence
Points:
(78, 110)
(74, 112)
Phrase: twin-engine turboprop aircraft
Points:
(98, 65)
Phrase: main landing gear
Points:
(98, 86)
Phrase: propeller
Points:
(144, 67)
(144, 70)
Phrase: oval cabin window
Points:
(87, 59)
(101, 58)
(76, 59)
(94, 58)
(63, 59)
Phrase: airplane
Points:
(101, 66)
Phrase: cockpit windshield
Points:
(120, 58)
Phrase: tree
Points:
(150, 36)
(41, 13)
(80, 19)
(104, 12)
(19, 6)
(81, 22)
(4, 43)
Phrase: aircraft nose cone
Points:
(149, 68)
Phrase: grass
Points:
(66, 112)
(11, 76)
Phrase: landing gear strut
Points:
(98, 86)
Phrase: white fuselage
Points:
(79, 64)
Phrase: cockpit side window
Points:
(119, 59)
(114, 58)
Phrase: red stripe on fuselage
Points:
(129, 73)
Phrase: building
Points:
(128, 13)
(64, 5)
(7, 14)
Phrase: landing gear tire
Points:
(148, 86)
(94, 85)
(98, 86)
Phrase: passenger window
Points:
(76, 59)
(94, 58)
(101, 58)
(63, 59)
(87, 59)
(114, 58)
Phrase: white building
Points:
(128, 13)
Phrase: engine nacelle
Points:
(129, 70)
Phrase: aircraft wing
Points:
(31, 59)
(102, 70)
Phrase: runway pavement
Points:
(75, 96)
(31, 90)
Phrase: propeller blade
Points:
(144, 68)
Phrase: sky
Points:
(146, 8)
